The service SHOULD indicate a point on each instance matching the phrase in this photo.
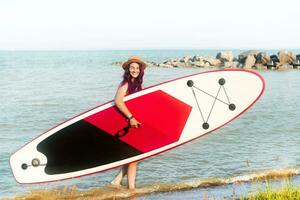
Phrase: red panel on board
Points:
(163, 118)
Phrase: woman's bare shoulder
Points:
(122, 90)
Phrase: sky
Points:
(151, 24)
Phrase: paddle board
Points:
(172, 113)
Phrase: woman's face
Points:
(134, 70)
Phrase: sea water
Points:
(39, 89)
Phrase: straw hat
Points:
(134, 59)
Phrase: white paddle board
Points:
(172, 113)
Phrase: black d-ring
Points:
(24, 166)
(205, 125)
(232, 107)
(190, 83)
(35, 162)
(221, 81)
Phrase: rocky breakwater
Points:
(283, 60)
(252, 59)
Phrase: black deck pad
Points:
(82, 146)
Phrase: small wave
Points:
(112, 192)
(266, 175)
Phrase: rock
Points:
(249, 62)
(196, 58)
(152, 64)
(286, 57)
(244, 55)
(240, 65)
(225, 56)
(296, 64)
(274, 58)
(233, 64)
(271, 65)
(199, 64)
(260, 67)
(175, 63)
(284, 66)
(165, 65)
(118, 63)
(175, 60)
(206, 64)
(183, 65)
(182, 60)
(212, 61)
(273, 62)
(185, 59)
(263, 58)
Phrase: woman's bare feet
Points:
(115, 184)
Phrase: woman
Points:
(132, 82)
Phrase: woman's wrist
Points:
(130, 117)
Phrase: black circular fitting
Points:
(35, 162)
(24, 166)
(232, 107)
(190, 83)
(205, 125)
(222, 81)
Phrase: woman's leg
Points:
(117, 180)
(131, 173)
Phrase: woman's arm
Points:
(120, 94)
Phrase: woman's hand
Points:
(134, 123)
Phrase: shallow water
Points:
(41, 89)
(228, 191)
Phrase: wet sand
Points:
(200, 189)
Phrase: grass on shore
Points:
(286, 192)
